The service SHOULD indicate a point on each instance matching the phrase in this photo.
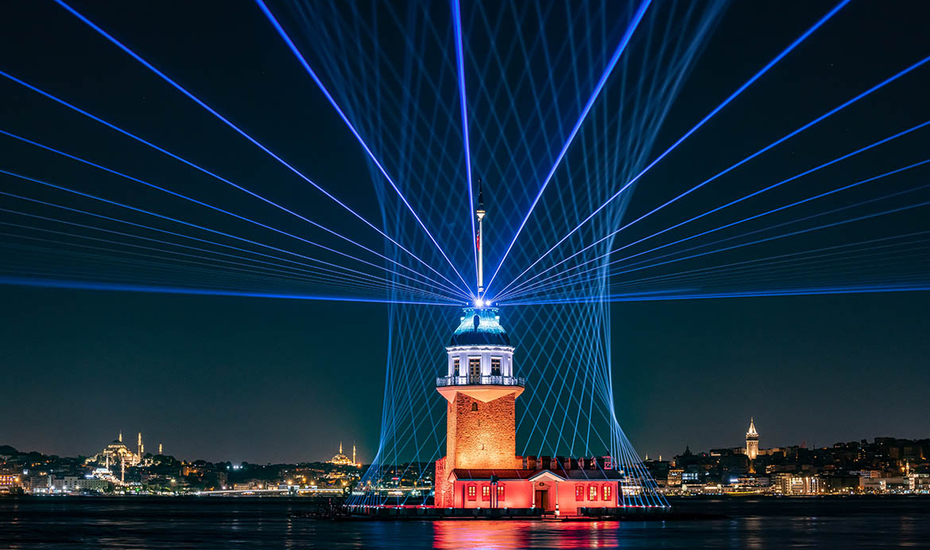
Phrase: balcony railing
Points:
(480, 381)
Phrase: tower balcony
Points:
(492, 380)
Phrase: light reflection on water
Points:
(226, 524)
(492, 535)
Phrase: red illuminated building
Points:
(481, 468)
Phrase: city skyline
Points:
(318, 456)
(880, 465)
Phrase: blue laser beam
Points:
(731, 203)
(697, 126)
(188, 224)
(84, 285)
(188, 163)
(229, 213)
(144, 267)
(340, 270)
(463, 102)
(339, 278)
(226, 121)
(804, 255)
(303, 62)
(814, 291)
(756, 216)
(631, 28)
(785, 235)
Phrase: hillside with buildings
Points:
(886, 465)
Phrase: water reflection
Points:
(507, 535)
(171, 524)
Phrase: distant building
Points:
(10, 481)
(342, 460)
(752, 441)
(794, 484)
(877, 484)
(67, 484)
(117, 453)
(918, 483)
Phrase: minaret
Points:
(139, 448)
(479, 240)
(121, 436)
(353, 454)
(340, 447)
(752, 441)
(159, 448)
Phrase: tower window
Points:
(495, 366)
(455, 366)
(474, 406)
(474, 370)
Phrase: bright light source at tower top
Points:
(479, 302)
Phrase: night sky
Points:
(271, 380)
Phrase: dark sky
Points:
(269, 380)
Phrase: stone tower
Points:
(481, 392)
(752, 441)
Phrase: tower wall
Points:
(752, 448)
(483, 438)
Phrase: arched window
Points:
(474, 406)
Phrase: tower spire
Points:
(479, 239)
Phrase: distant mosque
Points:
(118, 453)
(342, 460)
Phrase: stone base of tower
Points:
(443, 487)
(480, 428)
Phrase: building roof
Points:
(752, 429)
(480, 327)
(463, 473)
(573, 474)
